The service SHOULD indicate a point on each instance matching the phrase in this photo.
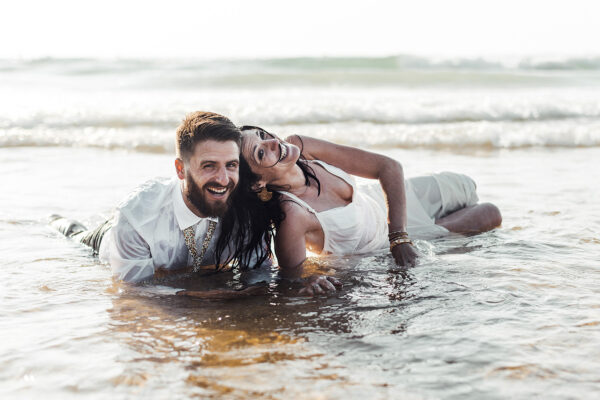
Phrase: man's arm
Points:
(129, 254)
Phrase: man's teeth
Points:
(219, 191)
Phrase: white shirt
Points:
(148, 232)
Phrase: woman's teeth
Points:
(283, 151)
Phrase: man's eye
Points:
(207, 166)
(262, 135)
(261, 154)
(232, 165)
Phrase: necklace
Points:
(189, 235)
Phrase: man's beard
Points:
(210, 209)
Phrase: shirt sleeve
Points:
(129, 254)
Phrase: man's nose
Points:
(221, 177)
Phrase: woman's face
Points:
(268, 155)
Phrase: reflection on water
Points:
(202, 340)
(240, 347)
(473, 318)
(213, 342)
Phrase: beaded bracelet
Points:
(397, 234)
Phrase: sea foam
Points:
(463, 135)
(399, 101)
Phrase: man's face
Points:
(210, 176)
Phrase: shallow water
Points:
(510, 313)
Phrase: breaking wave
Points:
(303, 110)
(460, 136)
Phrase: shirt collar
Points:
(185, 217)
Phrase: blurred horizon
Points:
(398, 60)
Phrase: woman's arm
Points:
(290, 241)
(367, 165)
(290, 249)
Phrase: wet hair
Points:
(247, 227)
(250, 224)
(203, 125)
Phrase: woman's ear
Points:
(180, 168)
(258, 186)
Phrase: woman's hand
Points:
(405, 255)
(319, 284)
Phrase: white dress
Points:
(362, 227)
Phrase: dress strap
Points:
(299, 201)
(340, 173)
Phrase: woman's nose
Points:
(273, 144)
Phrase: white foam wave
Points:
(142, 140)
(146, 120)
(301, 109)
(460, 136)
(468, 135)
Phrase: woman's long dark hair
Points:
(249, 225)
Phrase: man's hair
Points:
(200, 126)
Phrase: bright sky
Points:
(279, 28)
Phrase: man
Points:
(170, 225)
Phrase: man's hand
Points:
(405, 255)
(319, 284)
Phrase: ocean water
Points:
(511, 313)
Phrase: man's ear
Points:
(180, 168)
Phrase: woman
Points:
(309, 195)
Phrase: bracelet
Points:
(397, 234)
(398, 241)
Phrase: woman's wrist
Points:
(400, 241)
(400, 233)
(398, 237)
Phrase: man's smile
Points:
(218, 191)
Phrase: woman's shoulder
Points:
(297, 217)
(291, 208)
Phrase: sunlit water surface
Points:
(512, 313)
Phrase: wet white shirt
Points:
(148, 232)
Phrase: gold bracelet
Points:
(398, 241)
